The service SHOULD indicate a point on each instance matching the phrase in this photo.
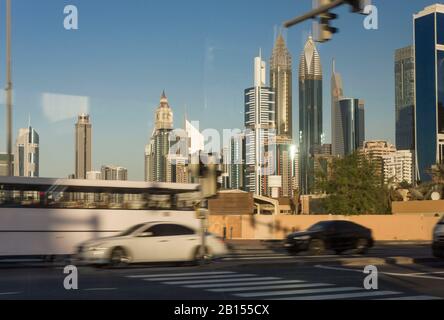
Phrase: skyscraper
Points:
(159, 146)
(352, 118)
(310, 113)
(260, 131)
(429, 88)
(83, 146)
(337, 93)
(281, 78)
(237, 164)
(26, 153)
(281, 83)
(405, 98)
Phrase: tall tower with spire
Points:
(26, 152)
(310, 113)
(281, 83)
(156, 152)
(281, 79)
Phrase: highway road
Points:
(405, 271)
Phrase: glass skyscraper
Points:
(310, 113)
(405, 98)
(429, 88)
(353, 124)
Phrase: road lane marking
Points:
(343, 295)
(178, 274)
(220, 276)
(292, 292)
(9, 293)
(412, 298)
(288, 286)
(423, 275)
(259, 258)
(254, 283)
(99, 289)
(220, 280)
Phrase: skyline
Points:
(217, 69)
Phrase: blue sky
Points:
(200, 51)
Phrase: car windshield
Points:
(131, 230)
(319, 226)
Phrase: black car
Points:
(337, 235)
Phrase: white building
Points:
(398, 166)
(260, 136)
(26, 153)
(94, 175)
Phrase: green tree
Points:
(353, 186)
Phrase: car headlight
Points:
(302, 238)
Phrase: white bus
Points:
(50, 217)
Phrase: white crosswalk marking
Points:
(179, 274)
(253, 286)
(294, 292)
(221, 280)
(254, 283)
(220, 276)
(355, 295)
(288, 286)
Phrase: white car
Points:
(438, 239)
(151, 242)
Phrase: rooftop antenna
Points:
(8, 89)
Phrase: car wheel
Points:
(362, 246)
(198, 255)
(316, 247)
(119, 257)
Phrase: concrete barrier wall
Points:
(384, 227)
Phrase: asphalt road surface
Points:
(248, 274)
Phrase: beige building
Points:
(111, 172)
(3, 164)
(177, 169)
(83, 146)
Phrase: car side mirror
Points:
(145, 235)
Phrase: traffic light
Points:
(325, 30)
(358, 5)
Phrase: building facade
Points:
(111, 172)
(83, 146)
(352, 118)
(337, 131)
(26, 153)
(4, 164)
(237, 162)
(405, 98)
(260, 130)
(398, 167)
(281, 81)
(429, 92)
(158, 148)
(310, 113)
